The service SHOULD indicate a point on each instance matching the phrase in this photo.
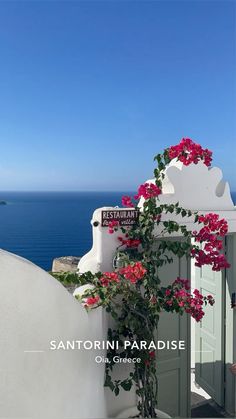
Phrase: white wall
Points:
(35, 309)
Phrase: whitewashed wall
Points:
(34, 310)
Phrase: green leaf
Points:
(126, 385)
(109, 383)
(117, 390)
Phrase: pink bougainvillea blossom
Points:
(133, 272)
(147, 191)
(217, 260)
(210, 235)
(210, 299)
(91, 301)
(109, 278)
(129, 242)
(152, 354)
(178, 296)
(187, 151)
(183, 282)
(112, 225)
(126, 201)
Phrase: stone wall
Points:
(65, 264)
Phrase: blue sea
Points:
(41, 226)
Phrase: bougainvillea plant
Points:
(133, 293)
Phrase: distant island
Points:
(3, 203)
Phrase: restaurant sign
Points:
(124, 217)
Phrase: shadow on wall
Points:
(217, 379)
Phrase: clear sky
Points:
(91, 91)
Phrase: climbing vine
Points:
(133, 294)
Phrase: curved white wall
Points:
(34, 310)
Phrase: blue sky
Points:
(91, 91)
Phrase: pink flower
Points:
(181, 293)
(133, 272)
(196, 292)
(211, 234)
(190, 303)
(147, 191)
(108, 278)
(187, 151)
(126, 201)
(210, 300)
(91, 301)
(152, 354)
(130, 243)
(183, 282)
(112, 226)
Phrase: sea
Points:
(41, 226)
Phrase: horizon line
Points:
(72, 190)
(76, 191)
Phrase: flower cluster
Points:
(133, 272)
(189, 152)
(147, 191)
(211, 234)
(212, 222)
(130, 243)
(91, 301)
(215, 259)
(108, 278)
(112, 226)
(194, 305)
(126, 201)
(183, 282)
(178, 298)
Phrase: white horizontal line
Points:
(44, 351)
